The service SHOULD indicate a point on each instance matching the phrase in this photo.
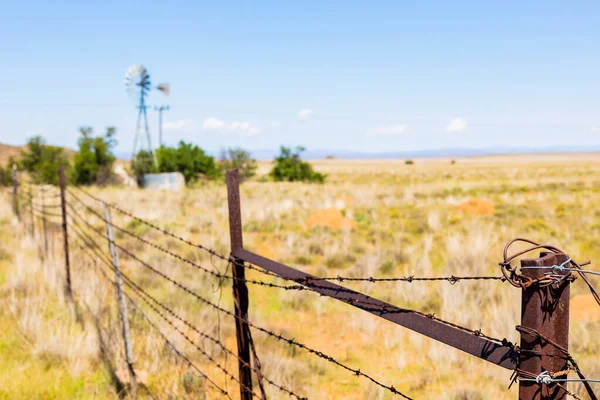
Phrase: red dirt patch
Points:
(477, 207)
(331, 218)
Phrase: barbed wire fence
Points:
(540, 363)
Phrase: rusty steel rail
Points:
(499, 354)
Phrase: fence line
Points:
(530, 375)
(138, 309)
(220, 309)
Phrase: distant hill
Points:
(8, 151)
(318, 154)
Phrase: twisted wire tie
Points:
(562, 268)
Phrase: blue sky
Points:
(366, 76)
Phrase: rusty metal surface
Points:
(240, 290)
(546, 310)
(485, 349)
(44, 227)
(31, 209)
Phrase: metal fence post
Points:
(31, 216)
(240, 291)
(44, 228)
(546, 310)
(15, 182)
(63, 206)
(129, 357)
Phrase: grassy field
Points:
(372, 218)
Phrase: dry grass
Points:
(405, 221)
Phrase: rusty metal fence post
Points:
(129, 357)
(240, 291)
(31, 216)
(546, 311)
(63, 206)
(44, 227)
(15, 182)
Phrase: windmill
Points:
(138, 86)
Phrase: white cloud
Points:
(595, 129)
(177, 125)
(304, 114)
(390, 130)
(242, 127)
(212, 124)
(457, 125)
(275, 124)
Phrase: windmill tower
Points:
(138, 86)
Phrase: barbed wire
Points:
(318, 353)
(172, 346)
(142, 293)
(524, 330)
(151, 225)
(130, 283)
(271, 285)
(102, 329)
(518, 280)
(451, 279)
(168, 252)
(24, 196)
(200, 349)
(48, 206)
(40, 212)
(181, 355)
(377, 307)
(507, 270)
(305, 280)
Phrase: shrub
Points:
(290, 167)
(142, 163)
(42, 161)
(93, 163)
(409, 162)
(236, 158)
(188, 159)
(5, 175)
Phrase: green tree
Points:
(94, 160)
(237, 158)
(289, 167)
(188, 159)
(42, 161)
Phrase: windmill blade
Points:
(137, 82)
(165, 88)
